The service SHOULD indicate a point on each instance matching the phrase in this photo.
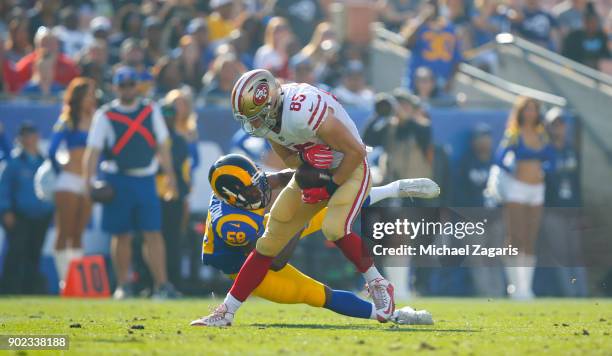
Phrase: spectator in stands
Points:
(130, 169)
(536, 25)
(434, 44)
(46, 46)
(130, 26)
(167, 75)
(94, 63)
(25, 218)
(42, 83)
(302, 15)
(174, 209)
(153, 46)
(569, 15)
(132, 55)
(72, 204)
(185, 121)
(198, 30)
(474, 168)
(72, 39)
(8, 75)
(5, 13)
(302, 71)
(18, 44)
(272, 55)
(43, 14)
(5, 145)
(425, 87)
(490, 18)
(251, 32)
(561, 231)
(222, 20)
(318, 54)
(354, 92)
(219, 80)
(99, 29)
(458, 13)
(588, 45)
(525, 154)
(394, 13)
(190, 63)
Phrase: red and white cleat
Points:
(218, 318)
(381, 291)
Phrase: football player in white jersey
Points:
(305, 125)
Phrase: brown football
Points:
(101, 192)
(308, 176)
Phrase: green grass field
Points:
(463, 326)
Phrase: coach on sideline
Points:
(132, 134)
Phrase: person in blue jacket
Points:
(5, 145)
(25, 218)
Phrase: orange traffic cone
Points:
(87, 278)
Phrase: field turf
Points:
(463, 327)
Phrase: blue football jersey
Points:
(228, 231)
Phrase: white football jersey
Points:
(304, 110)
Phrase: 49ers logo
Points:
(261, 93)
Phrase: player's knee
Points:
(332, 230)
(269, 245)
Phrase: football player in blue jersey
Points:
(237, 218)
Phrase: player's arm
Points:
(333, 132)
(410, 31)
(289, 157)
(280, 179)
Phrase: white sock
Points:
(62, 261)
(373, 313)
(398, 276)
(371, 274)
(390, 190)
(232, 303)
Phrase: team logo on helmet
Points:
(261, 93)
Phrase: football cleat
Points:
(409, 316)
(381, 292)
(417, 188)
(218, 318)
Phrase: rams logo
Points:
(261, 94)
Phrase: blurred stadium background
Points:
(506, 48)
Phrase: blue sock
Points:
(347, 303)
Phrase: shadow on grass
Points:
(400, 328)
